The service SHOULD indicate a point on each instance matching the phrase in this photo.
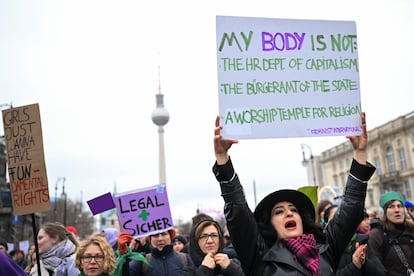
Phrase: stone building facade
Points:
(391, 150)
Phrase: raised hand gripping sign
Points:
(287, 77)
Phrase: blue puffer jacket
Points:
(165, 262)
(259, 256)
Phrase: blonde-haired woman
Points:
(95, 257)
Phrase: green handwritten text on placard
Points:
(275, 71)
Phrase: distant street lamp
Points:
(305, 161)
(65, 202)
(63, 179)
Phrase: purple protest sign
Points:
(145, 211)
(101, 203)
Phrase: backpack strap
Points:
(403, 259)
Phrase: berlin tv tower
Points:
(160, 117)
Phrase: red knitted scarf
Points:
(305, 250)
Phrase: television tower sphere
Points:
(160, 115)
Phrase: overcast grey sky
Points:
(93, 68)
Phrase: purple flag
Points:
(101, 203)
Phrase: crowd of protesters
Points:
(374, 249)
(284, 235)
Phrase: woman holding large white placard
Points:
(281, 237)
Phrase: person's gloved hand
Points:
(124, 239)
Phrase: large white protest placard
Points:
(287, 77)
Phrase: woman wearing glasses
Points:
(206, 251)
(95, 257)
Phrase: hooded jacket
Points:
(111, 235)
(197, 255)
(259, 256)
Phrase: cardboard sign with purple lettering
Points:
(287, 77)
(145, 211)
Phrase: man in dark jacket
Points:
(162, 258)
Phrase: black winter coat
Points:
(258, 259)
(165, 262)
